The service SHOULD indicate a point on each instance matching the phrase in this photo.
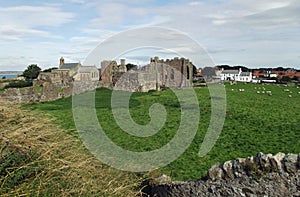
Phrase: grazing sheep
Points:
(286, 90)
(255, 88)
(258, 92)
(232, 89)
(268, 92)
(290, 96)
(263, 92)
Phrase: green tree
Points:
(286, 79)
(49, 69)
(130, 66)
(194, 70)
(32, 72)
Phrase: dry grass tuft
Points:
(65, 166)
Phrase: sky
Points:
(252, 33)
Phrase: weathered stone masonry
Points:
(262, 175)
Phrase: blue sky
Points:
(253, 33)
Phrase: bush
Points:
(18, 84)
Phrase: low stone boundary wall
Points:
(262, 175)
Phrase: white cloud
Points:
(232, 30)
(77, 1)
(34, 16)
(26, 21)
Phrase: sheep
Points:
(268, 92)
(290, 96)
(258, 92)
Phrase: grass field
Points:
(254, 123)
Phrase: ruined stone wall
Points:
(180, 65)
(159, 73)
(45, 92)
(262, 175)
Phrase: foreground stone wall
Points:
(262, 175)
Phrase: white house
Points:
(245, 77)
(230, 75)
(235, 75)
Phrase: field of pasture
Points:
(259, 118)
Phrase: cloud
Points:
(28, 20)
(77, 1)
(34, 16)
(231, 30)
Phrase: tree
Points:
(295, 78)
(130, 66)
(4, 77)
(49, 69)
(286, 79)
(32, 72)
(194, 71)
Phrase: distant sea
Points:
(8, 76)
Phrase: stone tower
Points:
(123, 67)
(61, 62)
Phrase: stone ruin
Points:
(159, 73)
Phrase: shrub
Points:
(18, 84)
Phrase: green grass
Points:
(60, 89)
(37, 89)
(254, 123)
(17, 165)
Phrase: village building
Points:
(276, 73)
(235, 75)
